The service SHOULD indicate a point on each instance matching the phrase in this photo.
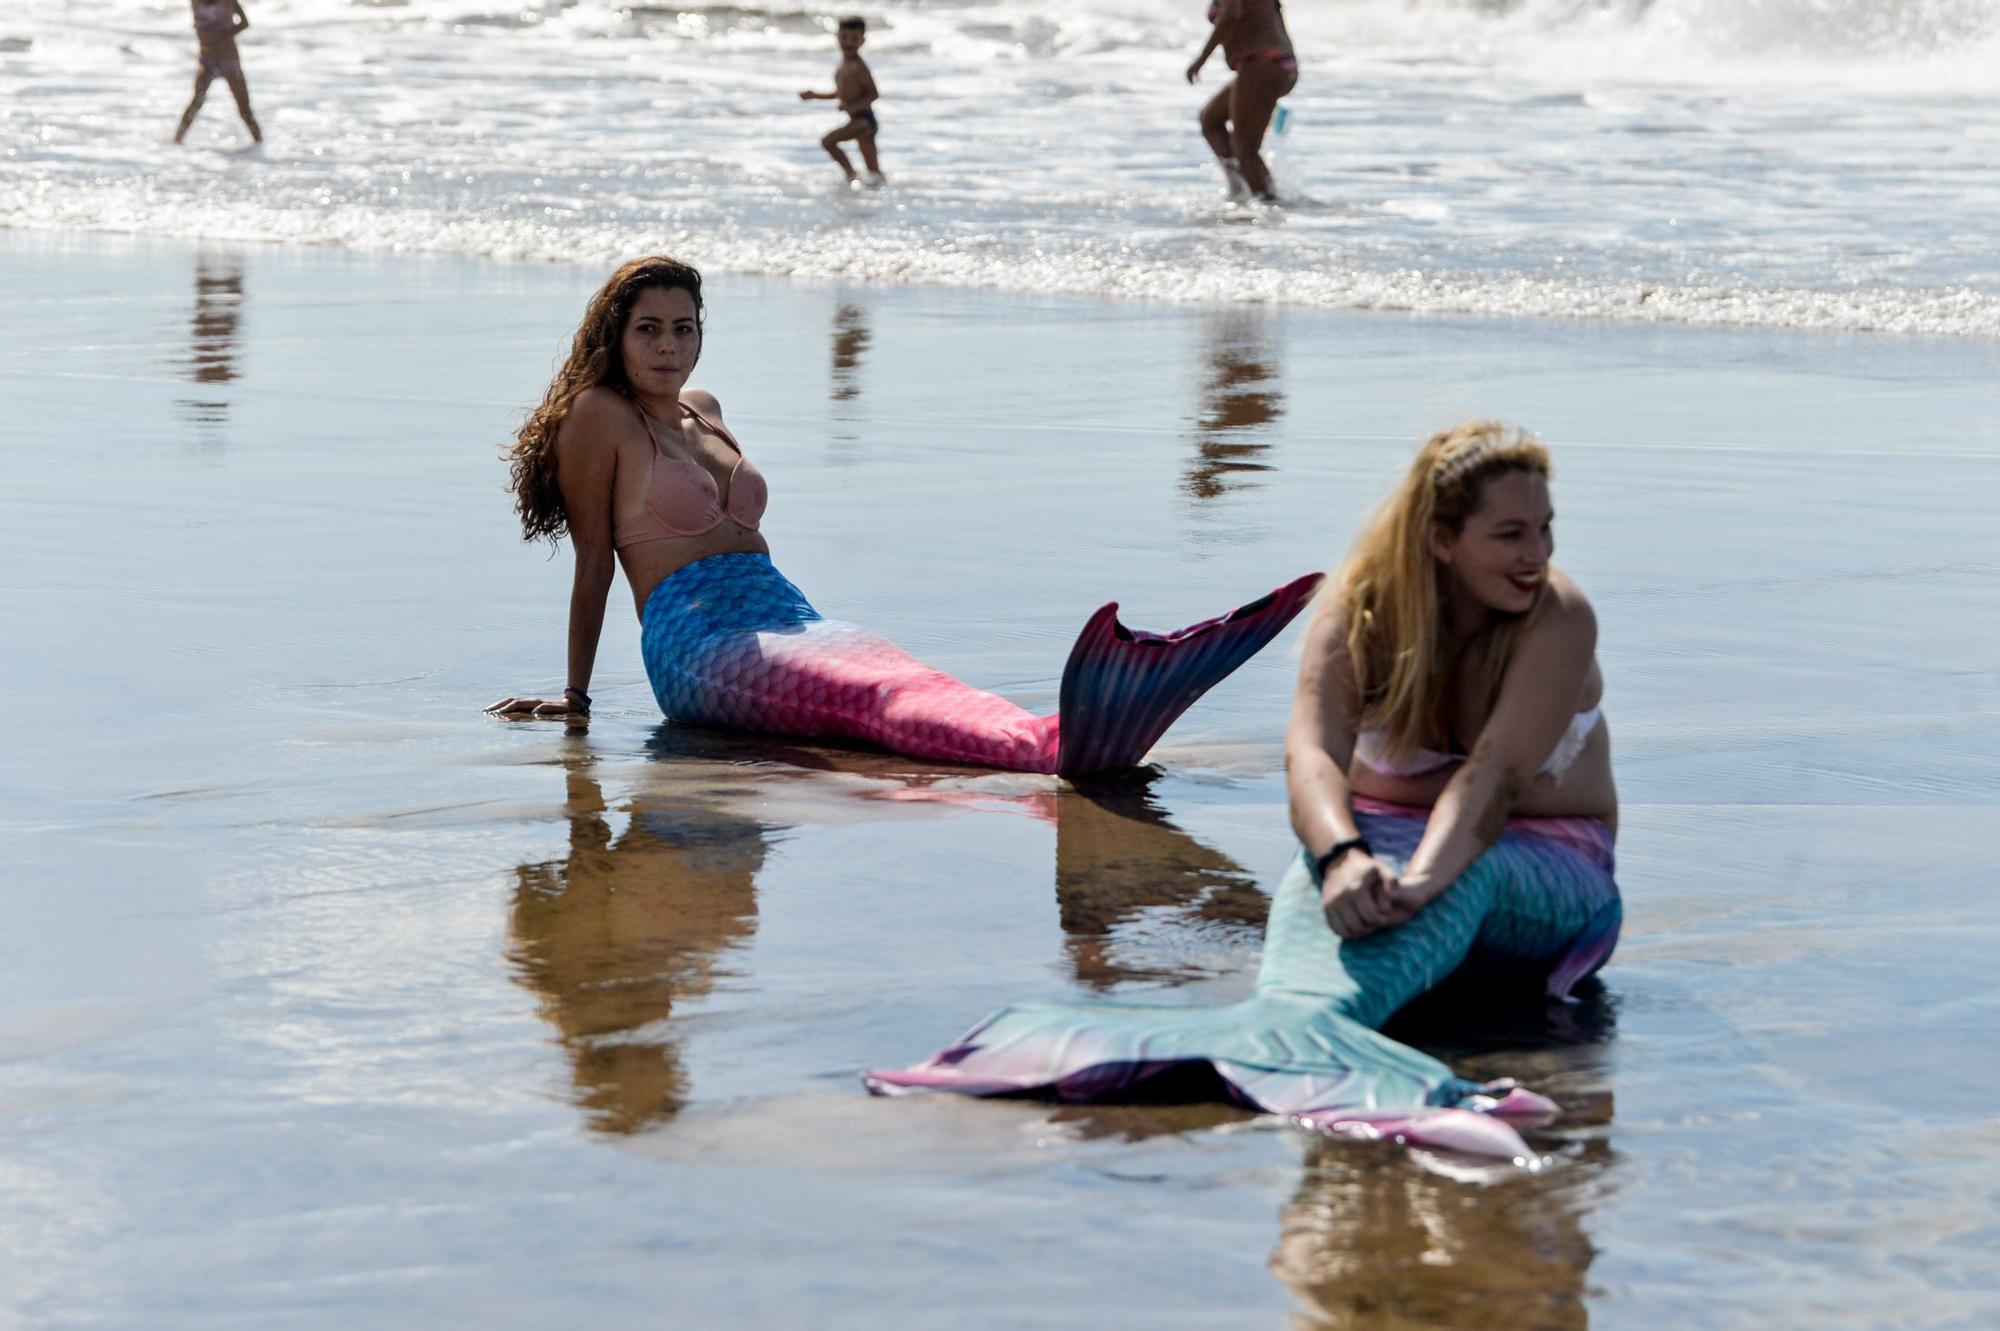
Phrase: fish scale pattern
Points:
(729, 641)
(1305, 1043)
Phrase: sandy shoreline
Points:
(333, 999)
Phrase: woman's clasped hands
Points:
(1361, 895)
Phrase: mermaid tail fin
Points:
(1282, 1053)
(1288, 1049)
(1122, 688)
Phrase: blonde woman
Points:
(1454, 669)
(1449, 772)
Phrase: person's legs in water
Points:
(203, 76)
(866, 143)
(1215, 129)
(1254, 95)
(855, 128)
(241, 91)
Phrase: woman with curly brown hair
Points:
(637, 468)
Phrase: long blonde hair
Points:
(594, 358)
(1392, 596)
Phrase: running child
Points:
(854, 89)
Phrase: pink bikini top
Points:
(213, 16)
(681, 497)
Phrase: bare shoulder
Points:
(1326, 631)
(600, 409)
(702, 401)
(598, 418)
(1324, 659)
(1565, 612)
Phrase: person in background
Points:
(1253, 39)
(854, 90)
(216, 23)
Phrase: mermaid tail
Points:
(1305, 1043)
(728, 641)
(1121, 689)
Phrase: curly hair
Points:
(594, 359)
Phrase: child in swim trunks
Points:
(854, 89)
(216, 23)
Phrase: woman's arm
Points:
(1225, 14)
(586, 467)
(1319, 741)
(242, 19)
(1537, 701)
(1357, 892)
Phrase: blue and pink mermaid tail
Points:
(728, 641)
(1541, 901)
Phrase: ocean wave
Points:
(1918, 46)
(857, 244)
(1534, 157)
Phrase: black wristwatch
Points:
(1339, 848)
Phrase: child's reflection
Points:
(850, 340)
(212, 335)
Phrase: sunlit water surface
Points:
(329, 1001)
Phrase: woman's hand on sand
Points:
(537, 707)
(1360, 896)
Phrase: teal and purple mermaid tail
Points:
(728, 641)
(1541, 901)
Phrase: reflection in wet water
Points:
(1374, 1238)
(1241, 397)
(645, 911)
(631, 923)
(1139, 898)
(1377, 1236)
(850, 340)
(213, 335)
(625, 926)
(851, 337)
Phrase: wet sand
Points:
(329, 1000)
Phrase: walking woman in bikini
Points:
(216, 23)
(1253, 39)
(638, 469)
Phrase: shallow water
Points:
(1787, 164)
(330, 1000)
